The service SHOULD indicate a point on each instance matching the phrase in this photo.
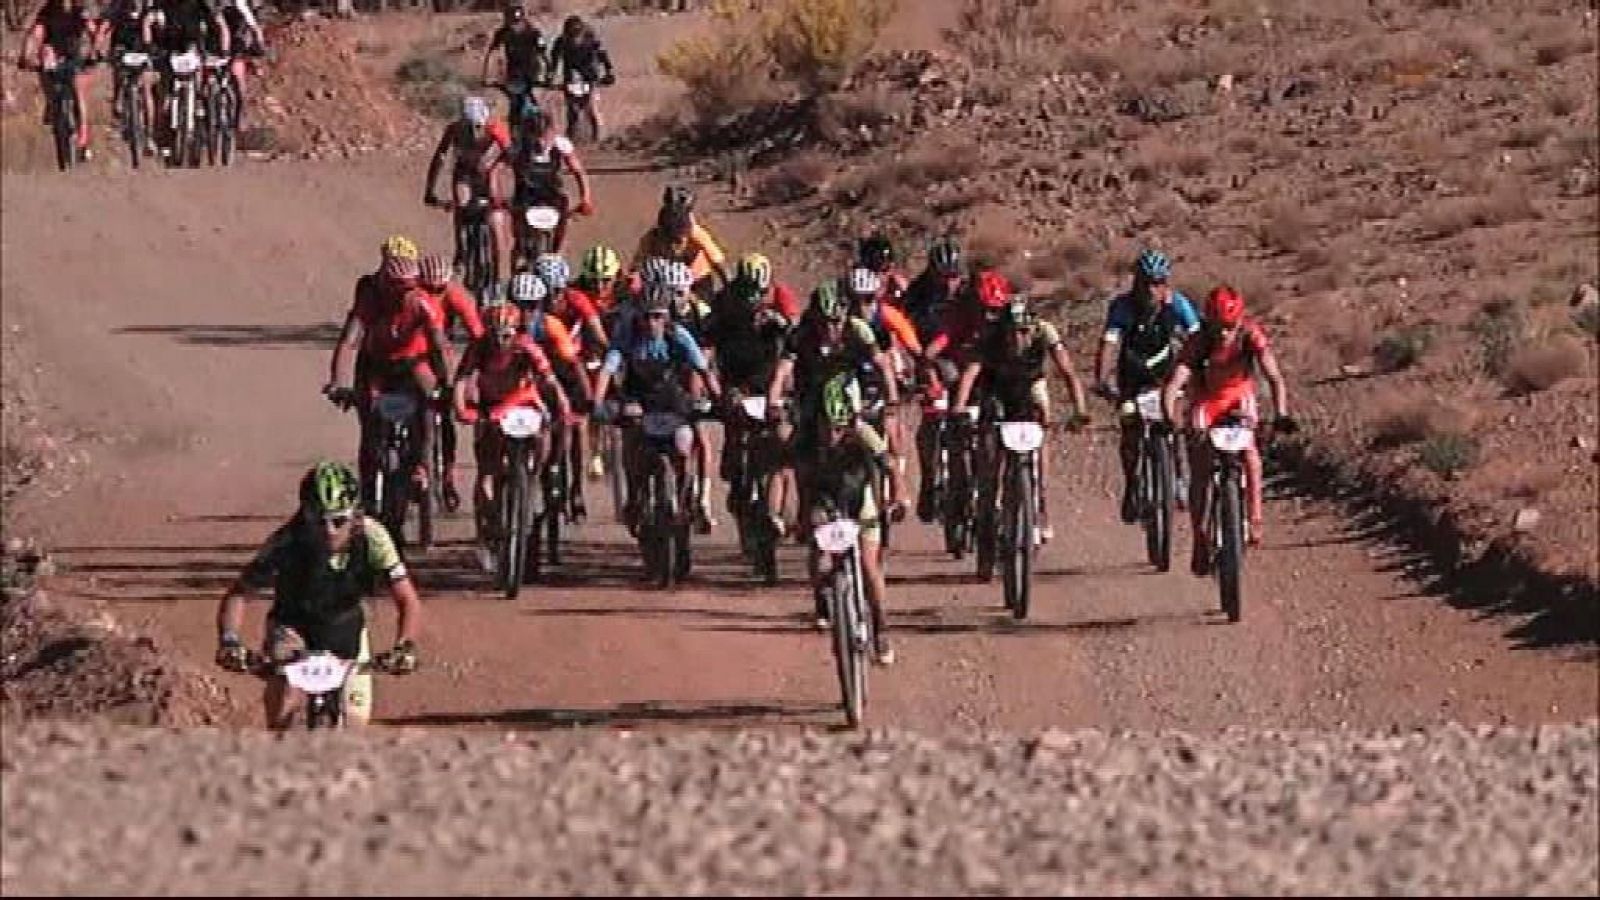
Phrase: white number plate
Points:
(216, 62)
(521, 422)
(1149, 404)
(1232, 438)
(755, 408)
(579, 88)
(317, 674)
(662, 424)
(1022, 437)
(135, 59)
(837, 536)
(396, 407)
(185, 63)
(542, 218)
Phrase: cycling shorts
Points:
(1236, 399)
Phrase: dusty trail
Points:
(191, 349)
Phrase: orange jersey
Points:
(699, 250)
(553, 336)
(890, 326)
(453, 302)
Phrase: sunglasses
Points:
(337, 521)
(658, 314)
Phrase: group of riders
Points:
(676, 330)
(71, 36)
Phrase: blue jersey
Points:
(1177, 315)
(676, 348)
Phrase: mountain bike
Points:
(322, 678)
(183, 110)
(131, 67)
(758, 540)
(556, 487)
(64, 113)
(954, 457)
(475, 247)
(519, 505)
(1155, 487)
(537, 235)
(1017, 539)
(219, 102)
(394, 486)
(846, 602)
(1225, 518)
(579, 94)
(664, 503)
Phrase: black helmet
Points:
(875, 251)
(677, 199)
(515, 13)
(572, 26)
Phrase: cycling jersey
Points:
(651, 367)
(471, 149)
(453, 303)
(698, 250)
(1223, 377)
(317, 593)
(891, 327)
(525, 52)
(506, 375)
(189, 23)
(553, 337)
(65, 30)
(395, 319)
(583, 59)
(241, 22)
(576, 311)
(1012, 378)
(845, 473)
(816, 360)
(926, 300)
(538, 166)
(748, 338)
(127, 31)
(603, 300)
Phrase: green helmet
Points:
(839, 399)
(828, 302)
(329, 488)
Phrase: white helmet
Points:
(475, 110)
(865, 281)
(527, 290)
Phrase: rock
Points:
(1525, 520)
(1225, 83)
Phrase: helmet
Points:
(515, 13)
(398, 246)
(993, 291)
(504, 318)
(677, 199)
(839, 397)
(404, 268)
(865, 282)
(1225, 306)
(944, 255)
(657, 297)
(1019, 316)
(1153, 265)
(875, 252)
(755, 269)
(573, 25)
(329, 488)
(553, 270)
(475, 110)
(827, 302)
(433, 271)
(600, 263)
(527, 289)
(678, 276)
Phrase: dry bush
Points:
(1400, 419)
(1350, 334)
(1563, 102)
(1543, 366)
(930, 165)
(1528, 134)
(792, 180)
(1403, 348)
(818, 44)
(1022, 35)
(1451, 217)
(1284, 228)
(431, 83)
(1500, 326)
(1447, 455)
(844, 118)
(724, 71)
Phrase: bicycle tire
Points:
(1157, 469)
(133, 118)
(514, 518)
(553, 509)
(1019, 568)
(225, 124)
(64, 129)
(847, 656)
(1230, 560)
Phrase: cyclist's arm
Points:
(1176, 382)
(1275, 380)
(969, 377)
(498, 151)
(715, 258)
(604, 59)
(494, 44)
(575, 166)
(340, 371)
(466, 309)
(780, 381)
(224, 33)
(256, 574)
(440, 151)
(384, 557)
(902, 331)
(465, 375)
(561, 342)
(1063, 361)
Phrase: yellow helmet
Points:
(755, 270)
(398, 246)
(600, 263)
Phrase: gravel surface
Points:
(107, 809)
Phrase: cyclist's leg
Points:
(501, 227)
(1046, 416)
(426, 381)
(237, 68)
(488, 449)
(461, 190)
(1200, 484)
(563, 203)
(81, 84)
(1246, 409)
(874, 584)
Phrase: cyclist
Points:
(247, 40)
(896, 338)
(1013, 354)
(582, 320)
(1144, 329)
(457, 310)
(526, 62)
(744, 334)
(599, 281)
(653, 363)
(850, 458)
(577, 55)
(126, 32)
(1219, 363)
(927, 302)
(827, 342)
(321, 564)
(876, 252)
(538, 159)
(689, 311)
(503, 370)
(679, 237)
(64, 33)
(400, 336)
(480, 145)
(182, 26)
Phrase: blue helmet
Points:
(553, 270)
(1153, 265)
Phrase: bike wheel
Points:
(65, 132)
(1158, 527)
(1230, 559)
(848, 657)
(514, 518)
(554, 507)
(1019, 544)
(614, 470)
(133, 120)
(227, 124)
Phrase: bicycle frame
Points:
(839, 541)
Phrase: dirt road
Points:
(184, 322)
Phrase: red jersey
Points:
(782, 299)
(453, 303)
(1224, 366)
(603, 301)
(395, 318)
(506, 375)
(576, 309)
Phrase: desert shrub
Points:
(792, 180)
(1017, 34)
(1503, 207)
(817, 44)
(1404, 348)
(1544, 365)
(1499, 326)
(431, 84)
(1284, 227)
(724, 71)
(1448, 454)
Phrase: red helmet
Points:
(1225, 306)
(993, 290)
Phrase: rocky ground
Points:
(1447, 811)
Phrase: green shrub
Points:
(1447, 454)
(1404, 348)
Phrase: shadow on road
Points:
(621, 716)
(242, 335)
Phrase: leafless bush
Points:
(1400, 419)
(1543, 366)
(1403, 348)
(1451, 217)
(792, 180)
(1284, 228)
